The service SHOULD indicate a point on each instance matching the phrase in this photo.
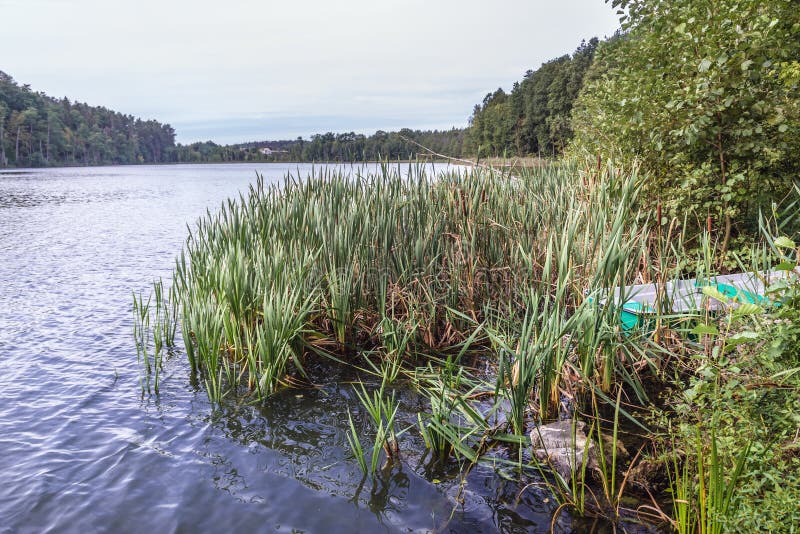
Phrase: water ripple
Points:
(83, 452)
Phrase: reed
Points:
(430, 277)
(141, 335)
(381, 409)
(407, 264)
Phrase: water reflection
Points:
(307, 429)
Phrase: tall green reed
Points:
(406, 264)
(155, 320)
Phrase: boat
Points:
(641, 302)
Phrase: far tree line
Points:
(534, 118)
(344, 147)
(38, 130)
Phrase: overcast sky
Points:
(239, 70)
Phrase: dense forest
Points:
(705, 98)
(535, 117)
(38, 130)
(348, 146)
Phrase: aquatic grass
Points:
(408, 266)
(607, 468)
(381, 410)
(487, 293)
(154, 330)
(385, 259)
(681, 492)
(702, 486)
(405, 265)
(443, 390)
(165, 317)
(141, 335)
(354, 440)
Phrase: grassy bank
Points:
(481, 290)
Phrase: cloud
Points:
(203, 62)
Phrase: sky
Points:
(245, 70)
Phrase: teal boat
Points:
(637, 304)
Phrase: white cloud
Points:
(198, 61)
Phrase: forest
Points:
(38, 130)
(535, 117)
(330, 146)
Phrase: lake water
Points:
(82, 451)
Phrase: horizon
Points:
(284, 71)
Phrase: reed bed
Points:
(479, 288)
(408, 265)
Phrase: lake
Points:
(84, 451)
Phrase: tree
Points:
(3, 112)
(693, 90)
(40, 130)
(535, 118)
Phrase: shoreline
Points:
(198, 163)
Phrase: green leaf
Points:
(702, 329)
(748, 309)
(704, 65)
(784, 242)
(785, 266)
(742, 337)
(714, 293)
(746, 64)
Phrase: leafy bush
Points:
(705, 95)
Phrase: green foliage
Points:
(535, 117)
(381, 410)
(704, 94)
(330, 147)
(742, 399)
(38, 130)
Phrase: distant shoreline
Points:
(174, 163)
(525, 162)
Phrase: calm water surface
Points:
(82, 451)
